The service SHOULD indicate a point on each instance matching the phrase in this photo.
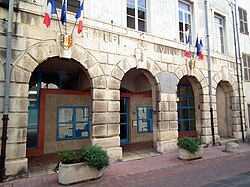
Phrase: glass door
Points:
(124, 121)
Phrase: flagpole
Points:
(74, 27)
(59, 23)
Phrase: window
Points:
(185, 17)
(72, 5)
(186, 107)
(219, 33)
(144, 119)
(136, 14)
(246, 61)
(73, 122)
(243, 21)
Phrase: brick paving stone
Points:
(163, 170)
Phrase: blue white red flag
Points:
(79, 16)
(187, 50)
(64, 10)
(201, 50)
(51, 9)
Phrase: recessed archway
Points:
(224, 93)
(189, 94)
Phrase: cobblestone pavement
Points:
(216, 168)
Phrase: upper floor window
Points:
(185, 20)
(136, 14)
(246, 61)
(243, 21)
(72, 5)
(219, 33)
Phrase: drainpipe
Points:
(209, 73)
(241, 67)
(237, 70)
(6, 92)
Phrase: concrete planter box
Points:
(183, 154)
(71, 173)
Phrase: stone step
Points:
(223, 141)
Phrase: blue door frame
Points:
(124, 121)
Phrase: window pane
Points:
(181, 37)
(123, 105)
(246, 29)
(65, 115)
(245, 73)
(185, 114)
(123, 118)
(192, 125)
(184, 6)
(241, 26)
(244, 60)
(245, 15)
(240, 13)
(131, 1)
(131, 22)
(65, 131)
(142, 3)
(130, 9)
(141, 13)
(81, 114)
(180, 16)
(248, 58)
(187, 18)
(32, 130)
(185, 125)
(141, 25)
(81, 130)
(123, 132)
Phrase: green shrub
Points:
(70, 157)
(95, 157)
(191, 144)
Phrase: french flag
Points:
(64, 10)
(79, 14)
(201, 50)
(187, 50)
(51, 9)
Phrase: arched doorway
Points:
(223, 104)
(59, 107)
(189, 94)
(136, 110)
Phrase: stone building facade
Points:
(118, 85)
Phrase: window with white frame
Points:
(219, 33)
(136, 15)
(185, 20)
(243, 21)
(246, 61)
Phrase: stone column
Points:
(105, 121)
(167, 133)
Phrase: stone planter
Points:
(183, 154)
(71, 173)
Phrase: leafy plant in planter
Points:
(82, 165)
(192, 144)
(95, 157)
(189, 148)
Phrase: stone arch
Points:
(220, 76)
(225, 89)
(124, 65)
(41, 51)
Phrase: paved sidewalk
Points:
(163, 170)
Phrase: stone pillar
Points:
(105, 121)
(167, 132)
